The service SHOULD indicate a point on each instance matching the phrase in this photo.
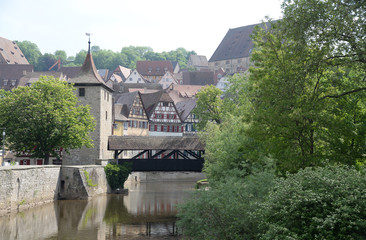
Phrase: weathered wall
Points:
(75, 183)
(27, 186)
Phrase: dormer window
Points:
(13, 82)
(5, 82)
(157, 69)
(165, 69)
(150, 69)
(12, 52)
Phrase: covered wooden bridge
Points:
(154, 153)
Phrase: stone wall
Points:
(82, 182)
(27, 186)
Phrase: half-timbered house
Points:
(163, 116)
(189, 119)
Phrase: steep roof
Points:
(88, 75)
(236, 44)
(150, 100)
(155, 143)
(185, 108)
(70, 72)
(198, 60)
(181, 93)
(11, 53)
(123, 71)
(154, 68)
(198, 78)
(118, 115)
(126, 100)
(10, 75)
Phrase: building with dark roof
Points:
(198, 62)
(199, 78)
(153, 71)
(234, 51)
(130, 115)
(189, 119)
(11, 74)
(10, 53)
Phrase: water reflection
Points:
(147, 212)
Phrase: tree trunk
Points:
(46, 159)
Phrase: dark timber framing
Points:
(160, 153)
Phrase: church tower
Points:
(91, 90)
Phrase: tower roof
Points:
(88, 75)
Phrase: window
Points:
(125, 125)
(157, 69)
(5, 82)
(133, 73)
(158, 116)
(140, 111)
(165, 129)
(227, 62)
(106, 115)
(165, 104)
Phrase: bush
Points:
(225, 211)
(322, 203)
(117, 174)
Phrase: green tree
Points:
(30, 51)
(43, 117)
(228, 209)
(321, 203)
(296, 93)
(61, 54)
(46, 61)
(209, 106)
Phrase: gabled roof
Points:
(181, 93)
(185, 108)
(70, 72)
(32, 77)
(10, 75)
(198, 78)
(125, 87)
(154, 68)
(236, 44)
(11, 53)
(126, 100)
(88, 75)
(118, 116)
(198, 61)
(150, 100)
(123, 71)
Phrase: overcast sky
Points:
(164, 25)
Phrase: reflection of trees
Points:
(116, 212)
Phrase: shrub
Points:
(322, 203)
(117, 174)
(225, 211)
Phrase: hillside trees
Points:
(104, 59)
(43, 117)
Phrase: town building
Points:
(153, 71)
(164, 119)
(91, 90)
(167, 80)
(233, 53)
(10, 53)
(130, 115)
(135, 77)
(185, 109)
(197, 62)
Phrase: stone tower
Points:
(91, 90)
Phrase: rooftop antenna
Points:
(88, 34)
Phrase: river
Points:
(147, 212)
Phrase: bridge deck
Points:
(154, 153)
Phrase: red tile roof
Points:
(154, 68)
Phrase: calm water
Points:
(148, 212)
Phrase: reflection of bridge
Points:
(154, 153)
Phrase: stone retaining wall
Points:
(27, 186)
